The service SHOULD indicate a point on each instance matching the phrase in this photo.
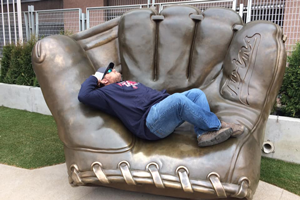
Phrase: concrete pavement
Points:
(50, 183)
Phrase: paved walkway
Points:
(50, 183)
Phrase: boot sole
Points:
(216, 140)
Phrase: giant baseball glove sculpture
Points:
(239, 66)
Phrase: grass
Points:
(282, 174)
(30, 140)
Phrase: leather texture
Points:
(239, 66)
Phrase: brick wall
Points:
(83, 4)
(291, 26)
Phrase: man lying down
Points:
(153, 115)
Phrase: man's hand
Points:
(99, 75)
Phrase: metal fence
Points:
(43, 23)
(11, 32)
(98, 15)
(40, 24)
(285, 13)
(202, 5)
(291, 24)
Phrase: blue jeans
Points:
(190, 106)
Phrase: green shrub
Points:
(66, 32)
(27, 77)
(289, 92)
(5, 62)
(16, 64)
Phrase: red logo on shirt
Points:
(128, 84)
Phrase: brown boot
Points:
(214, 137)
(237, 129)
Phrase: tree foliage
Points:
(16, 66)
(290, 89)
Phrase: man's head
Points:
(108, 75)
(111, 77)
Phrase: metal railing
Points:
(201, 4)
(98, 15)
(291, 23)
(8, 31)
(42, 23)
(284, 13)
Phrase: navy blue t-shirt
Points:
(127, 100)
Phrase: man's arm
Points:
(90, 94)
